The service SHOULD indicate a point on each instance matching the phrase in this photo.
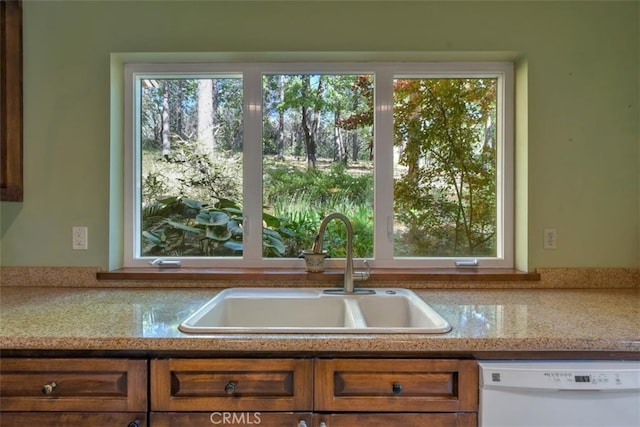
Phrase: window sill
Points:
(377, 275)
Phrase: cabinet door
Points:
(239, 419)
(396, 420)
(218, 385)
(11, 186)
(396, 385)
(95, 385)
(73, 419)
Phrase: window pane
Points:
(317, 159)
(190, 139)
(445, 156)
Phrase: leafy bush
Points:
(304, 222)
(321, 187)
(191, 174)
(301, 198)
(176, 226)
(201, 219)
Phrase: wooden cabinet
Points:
(314, 392)
(396, 392)
(73, 392)
(269, 392)
(396, 385)
(396, 420)
(246, 418)
(232, 385)
(241, 392)
(11, 171)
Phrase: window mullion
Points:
(383, 158)
(252, 158)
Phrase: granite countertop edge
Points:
(572, 320)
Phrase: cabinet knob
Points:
(302, 423)
(397, 388)
(322, 424)
(134, 423)
(230, 388)
(48, 388)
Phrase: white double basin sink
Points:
(312, 310)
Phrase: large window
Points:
(237, 164)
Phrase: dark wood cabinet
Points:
(270, 392)
(73, 392)
(11, 182)
(396, 385)
(397, 420)
(232, 385)
(245, 418)
(314, 392)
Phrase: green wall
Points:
(577, 127)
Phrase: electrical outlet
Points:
(550, 238)
(80, 238)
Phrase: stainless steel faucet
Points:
(349, 275)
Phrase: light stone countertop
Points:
(483, 320)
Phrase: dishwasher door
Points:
(559, 394)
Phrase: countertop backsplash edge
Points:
(550, 278)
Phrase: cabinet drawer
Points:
(114, 385)
(396, 385)
(231, 385)
(262, 419)
(73, 419)
(397, 420)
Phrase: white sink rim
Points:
(357, 317)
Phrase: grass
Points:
(300, 198)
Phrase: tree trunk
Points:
(341, 147)
(355, 145)
(317, 110)
(177, 96)
(166, 129)
(309, 143)
(205, 115)
(308, 126)
(281, 136)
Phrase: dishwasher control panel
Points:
(559, 375)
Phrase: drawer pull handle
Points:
(48, 388)
(323, 424)
(397, 388)
(230, 388)
(135, 423)
(302, 423)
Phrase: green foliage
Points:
(320, 187)
(183, 110)
(190, 173)
(447, 196)
(302, 198)
(444, 190)
(335, 239)
(176, 226)
(304, 223)
(304, 116)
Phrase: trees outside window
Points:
(419, 158)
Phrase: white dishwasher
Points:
(559, 394)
